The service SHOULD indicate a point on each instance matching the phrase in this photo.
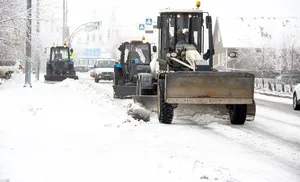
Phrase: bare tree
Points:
(12, 29)
(247, 59)
(13, 17)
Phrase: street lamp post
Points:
(79, 28)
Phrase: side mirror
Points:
(208, 21)
(121, 47)
(154, 49)
(232, 54)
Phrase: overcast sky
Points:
(135, 11)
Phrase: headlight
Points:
(174, 54)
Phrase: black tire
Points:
(238, 114)
(96, 80)
(8, 76)
(296, 106)
(165, 111)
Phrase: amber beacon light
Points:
(198, 4)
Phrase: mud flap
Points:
(123, 92)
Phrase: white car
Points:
(7, 68)
(104, 69)
(296, 97)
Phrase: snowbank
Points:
(138, 112)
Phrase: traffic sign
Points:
(148, 21)
(141, 27)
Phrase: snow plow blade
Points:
(206, 92)
(123, 91)
(59, 78)
(209, 88)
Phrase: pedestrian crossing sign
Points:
(148, 21)
(141, 27)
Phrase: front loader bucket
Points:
(122, 91)
(209, 88)
(150, 102)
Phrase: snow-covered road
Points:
(74, 131)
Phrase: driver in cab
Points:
(181, 38)
(58, 55)
(133, 56)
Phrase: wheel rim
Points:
(295, 101)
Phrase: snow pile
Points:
(138, 112)
(15, 81)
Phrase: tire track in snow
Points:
(253, 129)
(284, 154)
(279, 150)
(280, 107)
(277, 120)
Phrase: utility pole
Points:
(64, 21)
(38, 61)
(28, 45)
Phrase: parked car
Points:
(7, 68)
(81, 68)
(104, 69)
(296, 97)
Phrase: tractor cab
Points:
(135, 58)
(60, 53)
(182, 35)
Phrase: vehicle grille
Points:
(107, 74)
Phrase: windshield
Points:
(60, 54)
(137, 53)
(184, 31)
(105, 64)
